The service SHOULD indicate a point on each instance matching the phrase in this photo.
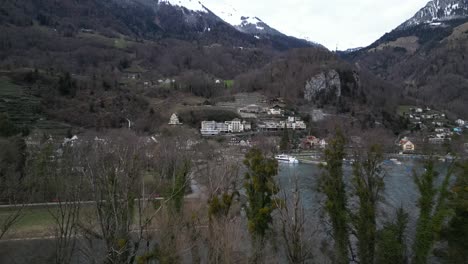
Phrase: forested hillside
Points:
(427, 62)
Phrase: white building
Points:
(235, 126)
(291, 123)
(460, 122)
(213, 128)
(208, 128)
(275, 111)
(174, 121)
(408, 146)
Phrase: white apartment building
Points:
(213, 128)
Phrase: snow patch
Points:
(230, 14)
(193, 5)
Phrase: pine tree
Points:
(391, 246)
(432, 212)
(260, 187)
(368, 185)
(333, 186)
(457, 231)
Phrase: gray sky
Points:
(345, 23)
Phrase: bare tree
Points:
(113, 167)
(68, 183)
(222, 181)
(12, 187)
(293, 225)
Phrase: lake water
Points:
(400, 190)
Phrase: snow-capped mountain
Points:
(226, 12)
(437, 11)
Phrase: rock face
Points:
(324, 83)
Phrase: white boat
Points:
(395, 161)
(283, 158)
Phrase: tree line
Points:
(130, 198)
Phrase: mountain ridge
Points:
(241, 21)
(424, 57)
(437, 11)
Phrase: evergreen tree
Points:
(333, 186)
(66, 85)
(391, 246)
(368, 185)
(260, 187)
(457, 231)
(7, 127)
(432, 213)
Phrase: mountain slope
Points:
(425, 57)
(437, 11)
(225, 12)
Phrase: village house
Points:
(239, 142)
(174, 120)
(323, 143)
(441, 130)
(460, 122)
(407, 145)
(208, 128)
(276, 111)
(438, 123)
(293, 123)
(251, 109)
(310, 142)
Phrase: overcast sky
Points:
(345, 23)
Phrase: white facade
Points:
(275, 111)
(174, 121)
(208, 128)
(235, 126)
(460, 122)
(408, 146)
(291, 123)
(213, 128)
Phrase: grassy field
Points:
(229, 83)
(32, 222)
(39, 221)
(402, 109)
(120, 43)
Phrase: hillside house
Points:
(460, 122)
(406, 144)
(174, 120)
(293, 123)
(310, 142)
(276, 111)
(251, 109)
(323, 143)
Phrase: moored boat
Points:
(283, 158)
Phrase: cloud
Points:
(345, 23)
